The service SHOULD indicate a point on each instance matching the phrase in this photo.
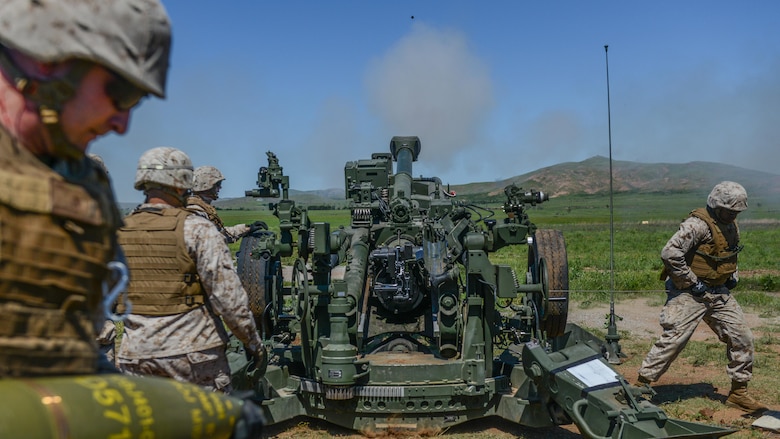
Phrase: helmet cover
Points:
(99, 161)
(130, 37)
(164, 166)
(728, 195)
(205, 178)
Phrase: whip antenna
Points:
(614, 352)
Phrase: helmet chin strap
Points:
(49, 96)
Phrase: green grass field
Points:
(641, 226)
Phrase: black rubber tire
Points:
(551, 247)
(254, 274)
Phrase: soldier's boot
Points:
(643, 386)
(739, 398)
(643, 381)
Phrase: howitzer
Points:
(401, 321)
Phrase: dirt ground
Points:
(640, 319)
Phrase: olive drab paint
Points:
(401, 321)
(114, 406)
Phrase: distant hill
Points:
(589, 176)
(324, 197)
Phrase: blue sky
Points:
(494, 89)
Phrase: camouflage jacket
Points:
(692, 233)
(202, 208)
(201, 328)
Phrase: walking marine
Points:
(700, 269)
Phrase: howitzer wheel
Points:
(550, 247)
(256, 274)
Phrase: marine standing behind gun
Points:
(207, 182)
(183, 283)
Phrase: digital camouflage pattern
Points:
(131, 37)
(208, 368)
(201, 207)
(99, 161)
(679, 319)
(236, 232)
(728, 195)
(205, 178)
(164, 166)
(107, 341)
(716, 306)
(205, 191)
(176, 336)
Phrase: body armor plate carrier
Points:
(56, 238)
(714, 262)
(164, 279)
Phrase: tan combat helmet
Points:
(99, 160)
(205, 178)
(132, 38)
(728, 195)
(164, 166)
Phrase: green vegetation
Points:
(642, 224)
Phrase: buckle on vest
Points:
(190, 278)
(189, 300)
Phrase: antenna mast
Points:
(614, 352)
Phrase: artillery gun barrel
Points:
(405, 150)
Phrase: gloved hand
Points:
(699, 289)
(259, 359)
(731, 283)
(250, 423)
(256, 226)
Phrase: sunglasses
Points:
(123, 93)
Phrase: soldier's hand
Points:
(257, 226)
(250, 423)
(731, 283)
(260, 360)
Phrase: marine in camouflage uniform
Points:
(700, 268)
(69, 72)
(182, 283)
(207, 182)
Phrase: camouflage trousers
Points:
(680, 317)
(107, 341)
(208, 368)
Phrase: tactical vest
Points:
(163, 277)
(210, 210)
(714, 262)
(56, 237)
